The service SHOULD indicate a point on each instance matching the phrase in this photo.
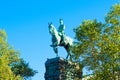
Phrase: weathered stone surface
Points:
(61, 69)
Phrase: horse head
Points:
(52, 29)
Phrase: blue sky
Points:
(26, 23)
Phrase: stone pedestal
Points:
(61, 69)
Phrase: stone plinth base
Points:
(61, 69)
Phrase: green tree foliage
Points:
(22, 68)
(98, 45)
(7, 56)
(11, 66)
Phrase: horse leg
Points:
(56, 51)
(67, 56)
(67, 49)
(68, 53)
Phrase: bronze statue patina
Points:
(59, 38)
(61, 31)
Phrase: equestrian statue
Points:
(59, 38)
